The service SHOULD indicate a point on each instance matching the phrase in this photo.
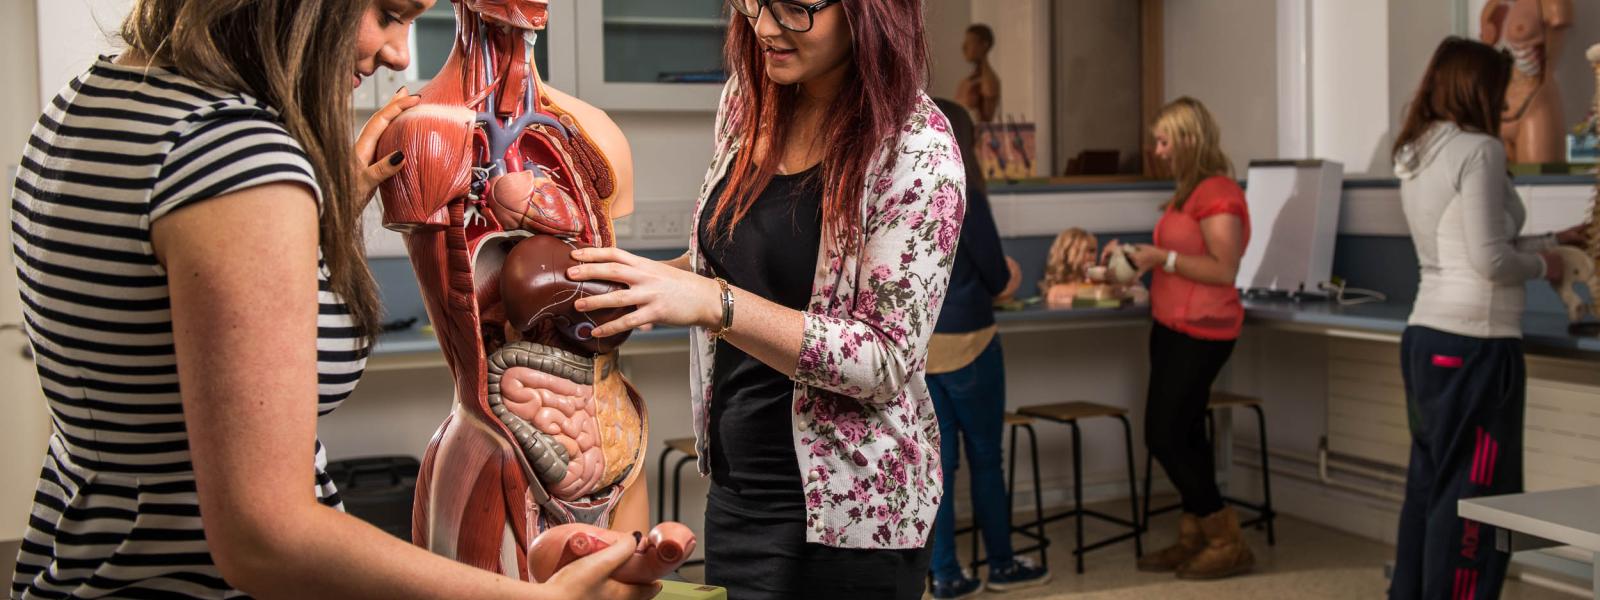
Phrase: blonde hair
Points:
(1058, 269)
(296, 56)
(1196, 146)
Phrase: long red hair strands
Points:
(888, 71)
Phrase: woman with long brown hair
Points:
(1198, 243)
(194, 282)
(820, 254)
(1461, 353)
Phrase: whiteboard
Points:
(1294, 221)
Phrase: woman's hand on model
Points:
(370, 171)
(590, 577)
(660, 292)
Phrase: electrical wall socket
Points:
(622, 228)
(663, 225)
(656, 225)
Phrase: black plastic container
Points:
(378, 490)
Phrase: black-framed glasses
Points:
(793, 15)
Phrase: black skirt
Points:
(759, 554)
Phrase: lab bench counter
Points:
(1543, 333)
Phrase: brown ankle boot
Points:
(1190, 542)
(1225, 554)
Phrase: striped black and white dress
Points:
(116, 515)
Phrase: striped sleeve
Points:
(226, 151)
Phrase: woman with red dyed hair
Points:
(821, 250)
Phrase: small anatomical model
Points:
(1071, 255)
(657, 553)
(504, 178)
(1071, 277)
(1533, 30)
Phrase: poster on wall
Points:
(1006, 150)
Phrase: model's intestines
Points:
(578, 439)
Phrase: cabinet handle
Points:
(27, 348)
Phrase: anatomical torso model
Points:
(1533, 31)
(504, 177)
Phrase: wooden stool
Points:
(1265, 516)
(1018, 423)
(1069, 413)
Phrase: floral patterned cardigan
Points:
(864, 427)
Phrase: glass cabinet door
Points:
(650, 41)
(651, 54)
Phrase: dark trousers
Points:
(971, 404)
(761, 554)
(1465, 399)
(1182, 369)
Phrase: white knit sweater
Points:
(1464, 216)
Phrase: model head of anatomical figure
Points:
(382, 37)
(1465, 84)
(977, 43)
(1189, 140)
(516, 14)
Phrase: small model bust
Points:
(1072, 277)
(980, 91)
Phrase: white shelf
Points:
(667, 22)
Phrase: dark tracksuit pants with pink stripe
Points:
(1465, 397)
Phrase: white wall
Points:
(671, 152)
(25, 424)
(1361, 63)
(79, 31)
(1224, 53)
(1349, 83)
(1415, 29)
(947, 22)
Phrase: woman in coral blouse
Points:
(1202, 233)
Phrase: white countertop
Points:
(1570, 517)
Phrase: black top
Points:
(979, 273)
(772, 254)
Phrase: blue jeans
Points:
(972, 402)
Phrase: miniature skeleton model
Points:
(1583, 266)
(504, 178)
